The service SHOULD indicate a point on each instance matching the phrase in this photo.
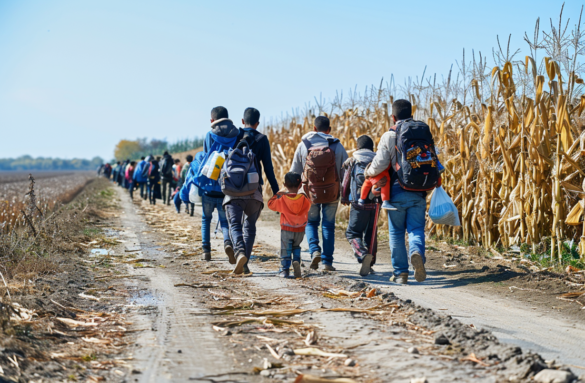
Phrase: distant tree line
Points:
(48, 163)
(128, 149)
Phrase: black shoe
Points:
(207, 256)
(229, 251)
(246, 270)
(284, 273)
(297, 269)
(316, 260)
(366, 262)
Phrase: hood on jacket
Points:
(224, 127)
(364, 155)
(320, 139)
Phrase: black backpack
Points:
(358, 177)
(166, 168)
(415, 161)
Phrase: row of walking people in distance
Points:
(228, 177)
(155, 177)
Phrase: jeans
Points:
(209, 204)
(167, 190)
(178, 201)
(290, 248)
(359, 233)
(243, 231)
(141, 185)
(328, 229)
(131, 188)
(409, 216)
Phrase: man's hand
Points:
(377, 188)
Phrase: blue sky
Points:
(78, 76)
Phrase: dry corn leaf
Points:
(316, 352)
(304, 378)
(74, 323)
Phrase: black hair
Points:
(119, 162)
(322, 124)
(251, 116)
(365, 142)
(177, 160)
(402, 109)
(142, 158)
(165, 153)
(133, 163)
(292, 180)
(189, 158)
(219, 112)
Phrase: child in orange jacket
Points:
(385, 190)
(294, 214)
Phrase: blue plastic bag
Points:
(442, 210)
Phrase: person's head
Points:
(142, 158)
(177, 161)
(365, 142)
(189, 158)
(292, 181)
(322, 125)
(133, 163)
(119, 162)
(401, 110)
(251, 118)
(165, 153)
(218, 113)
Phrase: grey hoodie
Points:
(319, 139)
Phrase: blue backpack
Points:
(195, 167)
(221, 145)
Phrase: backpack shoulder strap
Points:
(307, 144)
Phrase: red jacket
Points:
(293, 209)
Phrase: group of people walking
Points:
(228, 176)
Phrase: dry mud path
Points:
(175, 299)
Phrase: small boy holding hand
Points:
(294, 210)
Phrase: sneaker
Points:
(207, 256)
(297, 269)
(402, 279)
(366, 262)
(372, 272)
(191, 214)
(246, 270)
(420, 274)
(229, 251)
(329, 268)
(386, 205)
(240, 263)
(284, 273)
(316, 260)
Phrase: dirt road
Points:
(175, 299)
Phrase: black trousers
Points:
(359, 233)
(243, 235)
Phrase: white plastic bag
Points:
(442, 210)
(193, 194)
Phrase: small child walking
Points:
(294, 214)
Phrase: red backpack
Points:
(320, 178)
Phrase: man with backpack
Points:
(319, 158)
(166, 174)
(242, 183)
(362, 230)
(141, 175)
(222, 137)
(410, 150)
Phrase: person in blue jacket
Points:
(141, 176)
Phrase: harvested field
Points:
(51, 188)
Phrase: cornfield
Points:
(511, 139)
(51, 188)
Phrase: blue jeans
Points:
(209, 204)
(328, 229)
(409, 216)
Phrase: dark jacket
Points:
(166, 168)
(154, 173)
